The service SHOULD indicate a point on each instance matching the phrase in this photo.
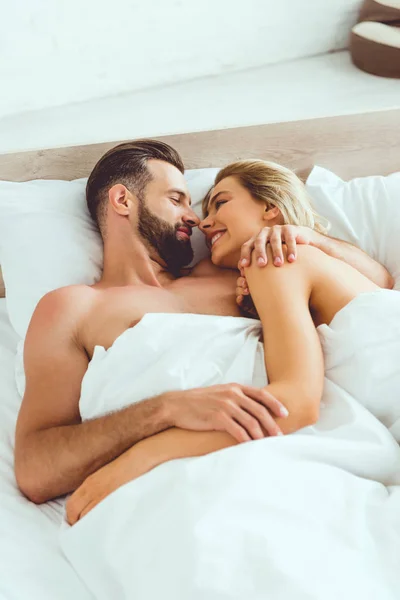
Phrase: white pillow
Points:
(364, 211)
(48, 240)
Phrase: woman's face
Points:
(233, 218)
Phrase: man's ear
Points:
(271, 213)
(120, 199)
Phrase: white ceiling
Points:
(56, 52)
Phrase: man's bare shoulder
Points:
(71, 297)
(63, 308)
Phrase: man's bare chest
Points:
(117, 309)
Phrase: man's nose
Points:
(191, 219)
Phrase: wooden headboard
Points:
(351, 146)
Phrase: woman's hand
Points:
(106, 480)
(256, 248)
(291, 235)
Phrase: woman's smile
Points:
(217, 236)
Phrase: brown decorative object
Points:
(375, 40)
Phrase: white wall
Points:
(57, 52)
(85, 71)
(307, 88)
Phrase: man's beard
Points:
(161, 236)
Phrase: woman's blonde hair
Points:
(278, 187)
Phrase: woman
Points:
(292, 302)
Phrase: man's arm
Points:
(138, 460)
(172, 444)
(355, 257)
(55, 452)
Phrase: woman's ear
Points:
(271, 213)
(120, 199)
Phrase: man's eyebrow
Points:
(181, 193)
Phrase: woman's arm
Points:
(295, 235)
(252, 407)
(138, 460)
(293, 354)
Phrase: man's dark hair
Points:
(126, 164)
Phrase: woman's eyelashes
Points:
(219, 203)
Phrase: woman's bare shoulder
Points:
(309, 260)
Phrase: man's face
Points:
(165, 217)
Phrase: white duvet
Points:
(314, 515)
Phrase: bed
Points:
(31, 563)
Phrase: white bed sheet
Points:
(31, 564)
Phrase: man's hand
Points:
(245, 412)
(241, 411)
(256, 247)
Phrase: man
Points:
(138, 197)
